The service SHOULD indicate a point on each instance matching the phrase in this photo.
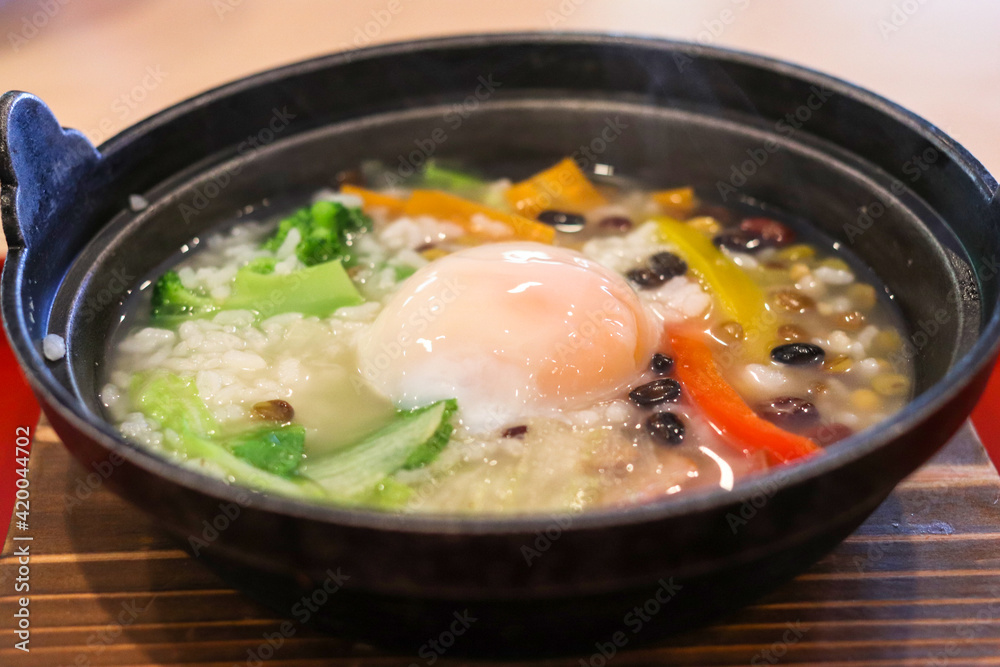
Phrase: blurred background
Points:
(103, 65)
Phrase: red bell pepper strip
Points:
(726, 410)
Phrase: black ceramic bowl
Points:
(887, 185)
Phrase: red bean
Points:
(618, 223)
(789, 412)
(516, 431)
(770, 231)
(827, 434)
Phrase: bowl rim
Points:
(958, 376)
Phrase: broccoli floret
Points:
(327, 229)
(263, 265)
(172, 299)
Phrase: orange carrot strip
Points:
(461, 211)
(680, 200)
(562, 186)
(697, 372)
(371, 199)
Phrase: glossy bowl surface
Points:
(885, 184)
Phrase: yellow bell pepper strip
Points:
(740, 297)
(726, 410)
(371, 199)
(461, 211)
(562, 186)
(676, 200)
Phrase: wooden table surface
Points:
(918, 584)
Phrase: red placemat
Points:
(18, 418)
(986, 417)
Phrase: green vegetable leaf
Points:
(430, 448)
(438, 177)
(389, 494)
(174, 404)
(315, 290)
(411, 439)
(277, 450)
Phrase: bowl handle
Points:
(40, 164)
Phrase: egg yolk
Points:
(510, 330)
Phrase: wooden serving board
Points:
(918, 584)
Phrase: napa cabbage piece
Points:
(266, 459)
(362, 471)
(272, 457)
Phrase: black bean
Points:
(516, 431)
(738, 240)
(617, 223)
(798, 354)
(645, 277)
(666, 428)
(668, 265)
(661, 363)
(789, 412)
(657, 391)
(562, 220)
